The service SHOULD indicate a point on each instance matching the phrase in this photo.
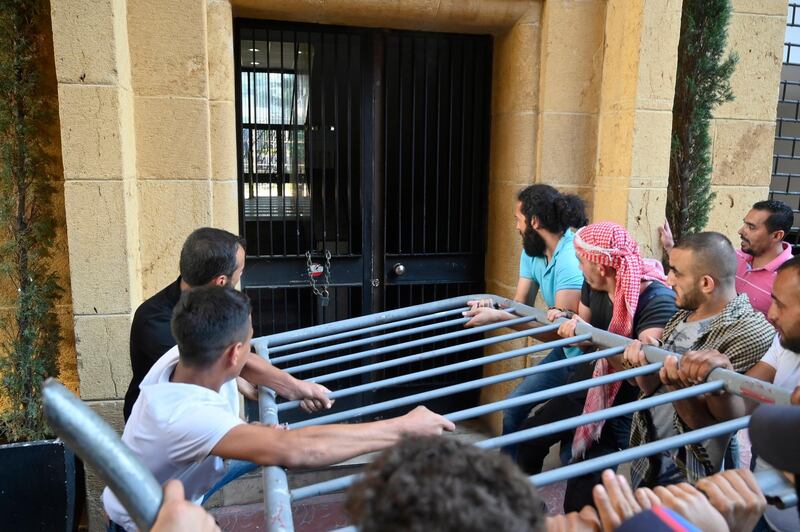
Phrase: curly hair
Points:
(436, 483)
(557, 212)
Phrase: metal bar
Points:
(277, 503)
(433, 394)
(544, 395)
(336, 137)
(413, 139)
(410, 377)
(342, 482)
(83, 431)
(425, 145)
(296, 152)
(289, 337)
(349, 150)
(583, 419)
(369, 340)
(648, 449)
(355, 332)
(734, 382)
(420, 356)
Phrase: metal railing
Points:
(98, 445)
(361, 332)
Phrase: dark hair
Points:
(713, 255)
(781, 217)
(435, 483)
(208, 253)
(557, 212)
(206, 320)
(794, 262)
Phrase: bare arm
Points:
(523, 289)
(313, 396)
(323, 445)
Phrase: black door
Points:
(363, 164)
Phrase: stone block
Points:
(759, 42)
(68, 356)
(103, 355)
(658, 57)
(610, 200)
(222, 118)
(86, 41)
(651, 143)
(225, 214)
(172, 138)
(623, 27)
(220, 50)
(168, 48)
(515, 77)
(111, 412)
(513, 147)
(730, 206)
(483, 17)
(504, 242)
(615, 135)
(501, 289)
(572, 66)
(567, 148)
(169, 211)
(646, 211)
(419, 14)
(742, 152)
(759, 7)
(99, 276)
(91, 132)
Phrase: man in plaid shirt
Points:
(711, 316)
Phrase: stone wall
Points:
(743, 131)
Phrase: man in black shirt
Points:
(208, 257)
(624, 294)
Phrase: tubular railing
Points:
(330, 339)
(97, 444)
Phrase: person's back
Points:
(208, 256)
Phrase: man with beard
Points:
(779, 366)
(544, 217)
(762, 249)
(627, 295)
(208, 257)
(712, 317)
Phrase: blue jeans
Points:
(514, 416)
(236, 468)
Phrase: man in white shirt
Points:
(780, 365)
(186, 419)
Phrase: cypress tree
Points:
(702, 83)
(29, 333)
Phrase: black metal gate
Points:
(363, 166)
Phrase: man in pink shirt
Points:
(762, 249)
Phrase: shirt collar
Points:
(774, 264)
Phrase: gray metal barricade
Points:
(360, 331)
(96, 443)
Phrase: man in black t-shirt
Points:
(209, 256)
(622, 293)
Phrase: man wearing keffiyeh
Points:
(627, 295)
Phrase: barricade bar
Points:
(325, 329)
(355, 332)
(368, 340)
(432, 354)
(432, 394)
(550, 393)
(414, 343)
(737, 383)
(338, 484)
(277, 502)
(410, 377)
(632, 453)
(584, 419)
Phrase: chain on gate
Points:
(316, 270)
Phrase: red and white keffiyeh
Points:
(610, 244)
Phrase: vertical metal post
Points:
(277, 501)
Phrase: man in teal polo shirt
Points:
(544, 217)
